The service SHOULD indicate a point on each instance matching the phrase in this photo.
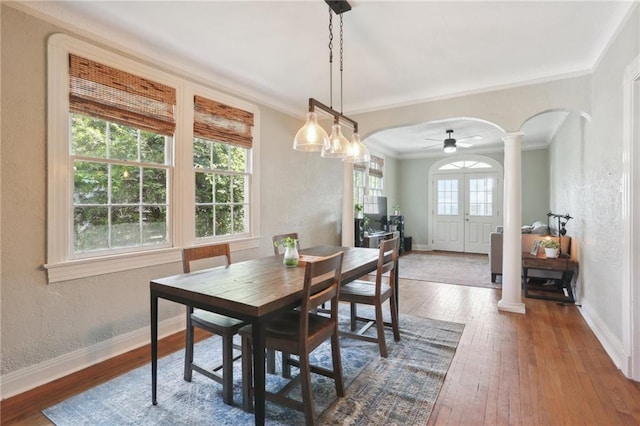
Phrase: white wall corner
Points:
(28, 378)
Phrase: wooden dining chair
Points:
(375, 293)
(299, 332)
(277, 240)
(225, 327)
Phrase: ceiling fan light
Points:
(311, 136)
(337, 143)
(449, 145)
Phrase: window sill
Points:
(82, 268)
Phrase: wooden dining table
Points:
(253, 291)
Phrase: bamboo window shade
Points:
(375, 166)
(108, 93)
(219, 122)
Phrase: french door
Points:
(465, 211)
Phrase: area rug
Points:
(446, 267)
(398, 390)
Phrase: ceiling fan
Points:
(450, 144)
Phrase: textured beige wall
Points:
(41, 321)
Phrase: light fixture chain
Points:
(341, 61)
(330, 58)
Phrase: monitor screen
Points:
(375, 208)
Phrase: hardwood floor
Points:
(542, 368)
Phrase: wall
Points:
(40, 323)
(535, 185)
(592, 192)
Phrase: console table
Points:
(565, 265)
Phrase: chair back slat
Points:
(204, 252)
(387, 261)
(328, 290)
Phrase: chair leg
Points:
(227, 369)
(247, 375)
(382, 343)
(394, 318)
(188, 354)
(307, 394)
(354, 313)
(271, 361)
(337, 363)
(493, 278)
(286, 366)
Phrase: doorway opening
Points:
(465, 203)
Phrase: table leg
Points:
(258, 372)
(154, 348)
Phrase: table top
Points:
(257, 287)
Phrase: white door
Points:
(465, 211)
(481, 214)
(448, 224)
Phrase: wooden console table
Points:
(566, 266)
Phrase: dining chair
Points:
(299, 332)
(375, 294)
(277, 239)
(225, 327)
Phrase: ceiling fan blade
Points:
(438, 143)
(470, 138)
(463, 144)
(434, 140)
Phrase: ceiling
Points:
(395, 52)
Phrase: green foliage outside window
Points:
(221, 186)
(120, 185)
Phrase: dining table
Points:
(253, 291)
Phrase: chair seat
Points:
(287, 328)
(361, 289)
(216, 323)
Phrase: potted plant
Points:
(291, 256)
(358, 210)
(396, 210)
(551, 247)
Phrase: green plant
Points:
(286, 242)
(358, 208)
(550, 243)
(396, 208)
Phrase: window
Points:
(142, 163)
(221, 152)
(481, 196)
(368, 179)
(120, 129)
(448, 197)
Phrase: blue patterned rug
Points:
(398, 390)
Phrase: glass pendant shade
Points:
(357, 152)
(337, 143)
(311, 137)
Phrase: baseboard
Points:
(611, 344)
(33, 376)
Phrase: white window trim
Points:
(60, 265)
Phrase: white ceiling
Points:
(395, 52)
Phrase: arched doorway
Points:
(465, 203)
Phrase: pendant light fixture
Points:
(312, 137)
(450, 143)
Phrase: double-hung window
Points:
(368, 179)
(141, 163)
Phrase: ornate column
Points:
(512, 213)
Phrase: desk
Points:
(565, 265)
(253, 291)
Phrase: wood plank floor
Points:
(542, 368)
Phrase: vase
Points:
(551, 253)
(291, 256)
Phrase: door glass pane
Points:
(481, 196)
(448, 197)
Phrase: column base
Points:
(516, 308)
